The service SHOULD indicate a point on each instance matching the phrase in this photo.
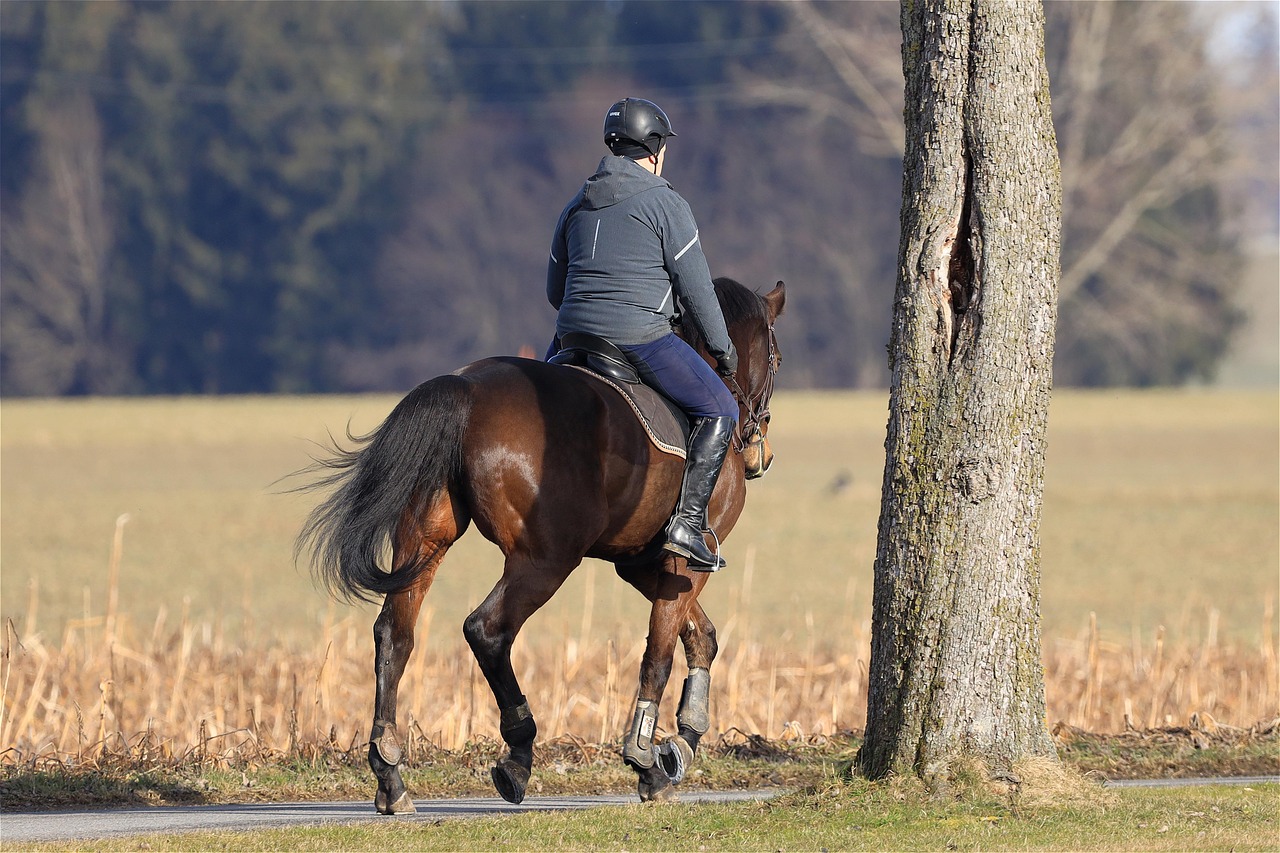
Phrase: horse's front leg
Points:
(673, 594)
(693, 716)
(393, 643)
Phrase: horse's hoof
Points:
(510, 779)
(656, 788)
(674, 757)
(402, 805)
(665, 794)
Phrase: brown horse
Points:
(552, 466)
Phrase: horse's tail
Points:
(400, 467)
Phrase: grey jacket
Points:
(625, 247)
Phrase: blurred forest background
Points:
(210, 197)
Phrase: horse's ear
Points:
(776, 299)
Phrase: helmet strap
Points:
(654, 163)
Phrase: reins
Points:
(757, 405)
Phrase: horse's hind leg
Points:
(490, 631)
(393, 643)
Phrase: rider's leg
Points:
(686, 530)
(671, 366)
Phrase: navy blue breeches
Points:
(672, 367)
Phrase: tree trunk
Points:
(955, 651)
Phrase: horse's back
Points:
(537, 390)
(550, 450)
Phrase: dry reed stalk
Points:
(321, 704)
(557, 705)
(1091, 680)
(588, 607)
(610, 684)
(189, 690)
(113, 580)
(772, 693)
(33, 601)
(88, 620)
(36, 691)
(423, 637)
(1272, 687)
(9, 631)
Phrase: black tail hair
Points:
(399, 467)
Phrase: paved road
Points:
(19, 827)
(1193, 782)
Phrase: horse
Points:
(552, 466)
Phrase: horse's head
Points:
(750, 319)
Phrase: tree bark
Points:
(955, 653)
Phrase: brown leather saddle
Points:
(666, 423)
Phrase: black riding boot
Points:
(707, 448)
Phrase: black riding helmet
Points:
(634, 127)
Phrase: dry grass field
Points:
(150, 603)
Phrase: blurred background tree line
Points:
(248, 197)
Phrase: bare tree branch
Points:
(863, 55)
(56, 247)
(1083, 72)
(835, 44)
(1172, 178)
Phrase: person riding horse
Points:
(625, 249)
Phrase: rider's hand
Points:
(727, 364)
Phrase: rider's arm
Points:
(558, 261)
(691, 277)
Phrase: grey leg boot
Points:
(707, 448)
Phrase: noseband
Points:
(756, 405)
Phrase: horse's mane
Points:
(737, 301)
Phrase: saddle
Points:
(580, 349)
(664, 421)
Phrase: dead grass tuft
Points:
(1044, 783)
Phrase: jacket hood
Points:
(617, 179)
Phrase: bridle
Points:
(755, 405)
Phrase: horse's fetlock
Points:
(690, 737)
(517, 725)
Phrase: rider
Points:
(624, 250)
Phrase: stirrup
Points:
(697, 566)
(720, 563)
